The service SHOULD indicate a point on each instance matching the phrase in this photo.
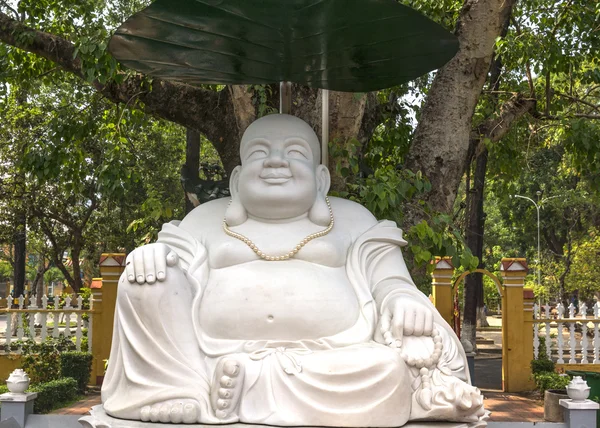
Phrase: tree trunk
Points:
(77, 281)
(474, 239)
(20, 242)
(39, 290)
(346, 118)
(192, 164)
(61, 266)
(441, 141)
(37, 287)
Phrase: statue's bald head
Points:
(276, 126)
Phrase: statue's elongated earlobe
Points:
(235, 214)
(319, 212)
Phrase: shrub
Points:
(545, 381)
(41, 360)
(54, 394)
(542, 365)
(78, 366)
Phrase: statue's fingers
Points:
(398, 323)
(172, 258)
(419, 322)
(160, 262)
(129, 269)
(409, 322)
(383, 326)
(386, 321)
(428, 329)
(149, 270)
(138, 263)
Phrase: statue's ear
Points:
(235, 214)
(319, 213)
(323, 180)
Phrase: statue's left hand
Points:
(403, 316)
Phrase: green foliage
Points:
(41, 361)
(54, 394)
(550, 380)
(388, 191)
(260, 98)
(543, 372)
(53, 274)
(542, 364)
(77, 365)
(6, 270)
(584, 272)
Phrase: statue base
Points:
(99, 419)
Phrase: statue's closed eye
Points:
(256, 154)
(298, 154)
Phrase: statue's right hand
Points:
(149, 263)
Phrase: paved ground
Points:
(81, 407)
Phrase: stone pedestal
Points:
(580, 414)
(17, 406)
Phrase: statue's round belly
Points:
(290, 300)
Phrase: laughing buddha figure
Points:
(281, 307)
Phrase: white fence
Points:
(574, 339)
(53, 319)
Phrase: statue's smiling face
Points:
(279, 155)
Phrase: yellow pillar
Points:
(441, 287)
(104, 303)
(528, 301)
(517, 340)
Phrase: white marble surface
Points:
(332, 333)
(578, 405)
(18, 397)
(99, 419)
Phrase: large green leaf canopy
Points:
(343, 45)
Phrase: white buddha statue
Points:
(281, 307)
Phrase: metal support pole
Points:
(285, 97)
(325, 128)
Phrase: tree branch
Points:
(587, 116)
(495, 128)
(527, 63)
(9, 7)
(579, 100)
(200, 109)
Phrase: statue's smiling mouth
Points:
(275, 178)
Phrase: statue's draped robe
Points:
(160, 351)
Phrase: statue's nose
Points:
(275, 160)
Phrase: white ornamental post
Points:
(17, 403)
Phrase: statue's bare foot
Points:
(184, 411)
(227, 388)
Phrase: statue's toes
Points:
(227, 382)
(227, 388)
(164, 413)
(225, 393)
(172, 411)
(223, 404)
(231, 368)
(155, 413)
(145, 414)
(176, 413)
(190, 413)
